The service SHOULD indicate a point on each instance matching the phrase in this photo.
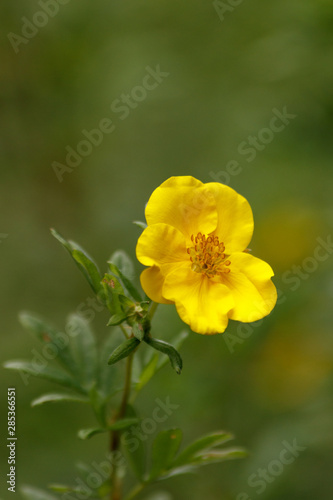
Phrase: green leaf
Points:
(174, 356)
(81, 492)
(113, 290)
(179, 471)
(126, 282)
(88, 433)
(138, 331)
(84, 262)
(62, 240)
(216, 456)
(45, 372)
(165, 447)
(123, 423)
(134, 448)
(140, 224)
(148, 371)
(177, 342)
(98, 403)
(124, 350)
(84, 349)
(202, 444)
(116, 319)
(114, 284)
(30, 493)
(48, 335)
(61, 488)
(91, 271)
(120, 425)
(123, 262)
(154, 362)
(59, 397)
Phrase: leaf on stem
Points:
(117, 319)
(30, 493)
(201, 452)
(59, 397)
(165, 447)
(177, 342)
(140, 224)
(88, 433)
(123, 423)
(84, 349)
(45, 372)
(134, 448)
(169, 350)
(50, 336)
(84, 262)
(123, 262)
(125, 281)
(216, 456)
(113, 290)
(154, 361)
(200, 445)
(124, 350)
(138, 331)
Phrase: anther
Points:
(207, 256)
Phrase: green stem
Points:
(135, 491)
(123, 329)
(127, 388)
(116, 483)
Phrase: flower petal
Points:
(162, 246)
(235, 218)
(250, 284)
(152, 281)
(184, 203)
(200, 302)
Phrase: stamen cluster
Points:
(208, 256)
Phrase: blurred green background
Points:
(227, 72)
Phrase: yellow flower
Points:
(195, 245)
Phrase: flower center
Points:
(207, 256)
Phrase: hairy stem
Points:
(116, 483)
